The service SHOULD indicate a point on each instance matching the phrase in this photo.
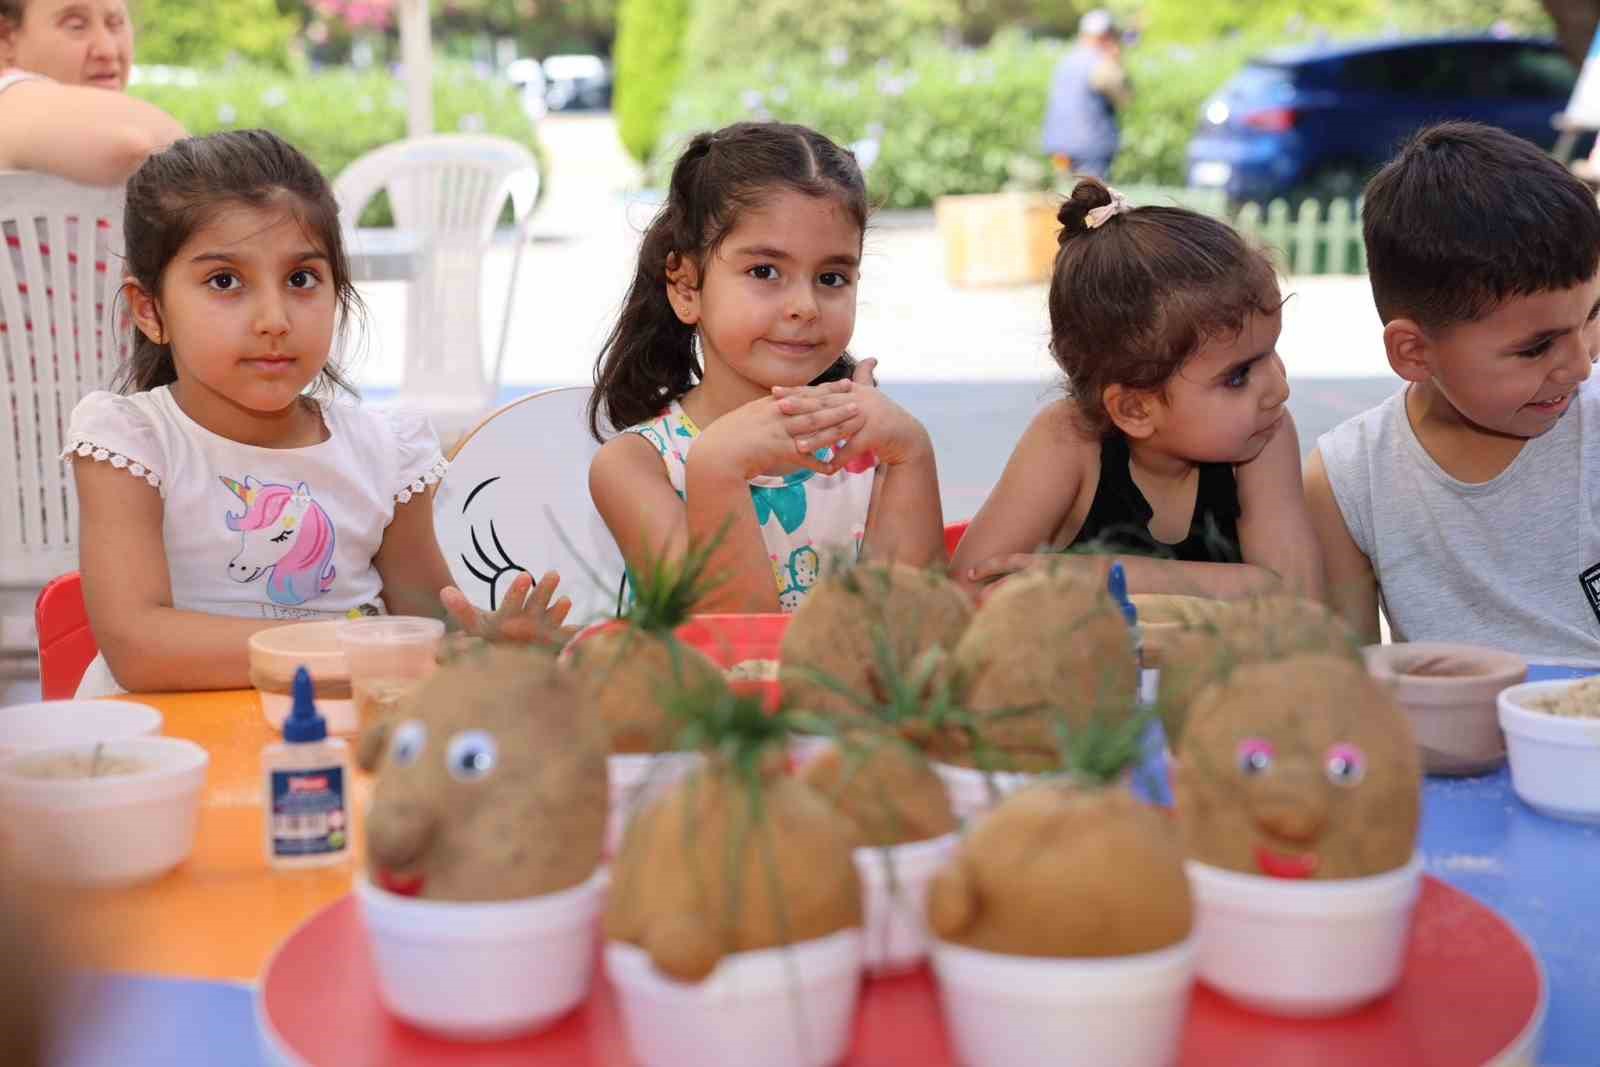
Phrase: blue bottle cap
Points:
(303, 723)
(1117, 586)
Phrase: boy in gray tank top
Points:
(1469, 502)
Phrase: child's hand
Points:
(520, 618)
(759, 437)
(888, 433)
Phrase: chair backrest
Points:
(953, 533)
(66, 643)
(516, 497)
(450, 190)
(59, 274)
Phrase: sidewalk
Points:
(921, 328)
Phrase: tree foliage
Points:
(188, 34)
(649, 59)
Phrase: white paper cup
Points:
(108, 831)
(1011, 1011)
(973, 792)
(1555, 760)
(636, 782)
(894, 896)
(50, 723)
(782, 1007)
(1303, 949)
(481, 971)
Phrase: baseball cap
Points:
(1096, 23)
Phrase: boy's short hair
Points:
(1467, 216)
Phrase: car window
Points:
(1262, 83)
(1530, 73)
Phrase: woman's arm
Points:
(1275, 531)
(1352, 586)
(1036, 493)
(640, 508)
(147, 643)
(88, 135)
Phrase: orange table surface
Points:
(221, 913)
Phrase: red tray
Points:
(1472, 995)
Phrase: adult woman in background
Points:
(57, 59)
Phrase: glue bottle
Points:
(1117, 586)
(307, 817)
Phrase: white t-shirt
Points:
(1513, 562)
(263, 533)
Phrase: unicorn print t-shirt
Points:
(803, 516)
(263, 533)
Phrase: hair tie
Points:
(1097, 217)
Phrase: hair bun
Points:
(1087, 195)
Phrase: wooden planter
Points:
(998, 239)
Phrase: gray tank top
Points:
(1513, 562)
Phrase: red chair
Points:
(953, 533)
(66, 643)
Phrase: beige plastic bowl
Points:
(277, 651)
(1449, 693)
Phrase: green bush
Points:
(649, 57)
(846, 34)
(335, 116)
(946, 121)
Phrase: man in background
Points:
(1087, 90)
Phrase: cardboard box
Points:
(999, 238)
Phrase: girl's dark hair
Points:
(1135, 297)
(649, 359)
(181, 189)
(11, 11)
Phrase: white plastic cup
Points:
(1014, 1011)
(1303, 949)
(115, 830)
(482, 971)
(781, 1007)
(894, 895)
(50, 723)
(1555, 760)
(974, 792)
(388, 656)
(637, 781)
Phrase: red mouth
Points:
(1282, 865)
(401, 885)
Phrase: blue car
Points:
(1319, 121)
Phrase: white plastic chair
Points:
(448, 190)
(58, 288)
(516, 497)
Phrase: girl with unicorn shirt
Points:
(231, 489)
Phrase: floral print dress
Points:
(804, 516)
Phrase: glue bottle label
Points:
(308, 812)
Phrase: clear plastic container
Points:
(388, 656)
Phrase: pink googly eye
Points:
(1345, 765)
(1255, 755)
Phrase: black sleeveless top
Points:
(1119, 517)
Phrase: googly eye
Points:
(1255, 756)
(1345, 765)
(407, 742)
(471, 755)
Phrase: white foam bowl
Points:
(51, 723)
(782, 1007)
(1555, 760)
(112, 830)
(482, 971)
(1303, 949)
(894, 897)
(970, 789)
(1006, 1011)
(637, 781)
